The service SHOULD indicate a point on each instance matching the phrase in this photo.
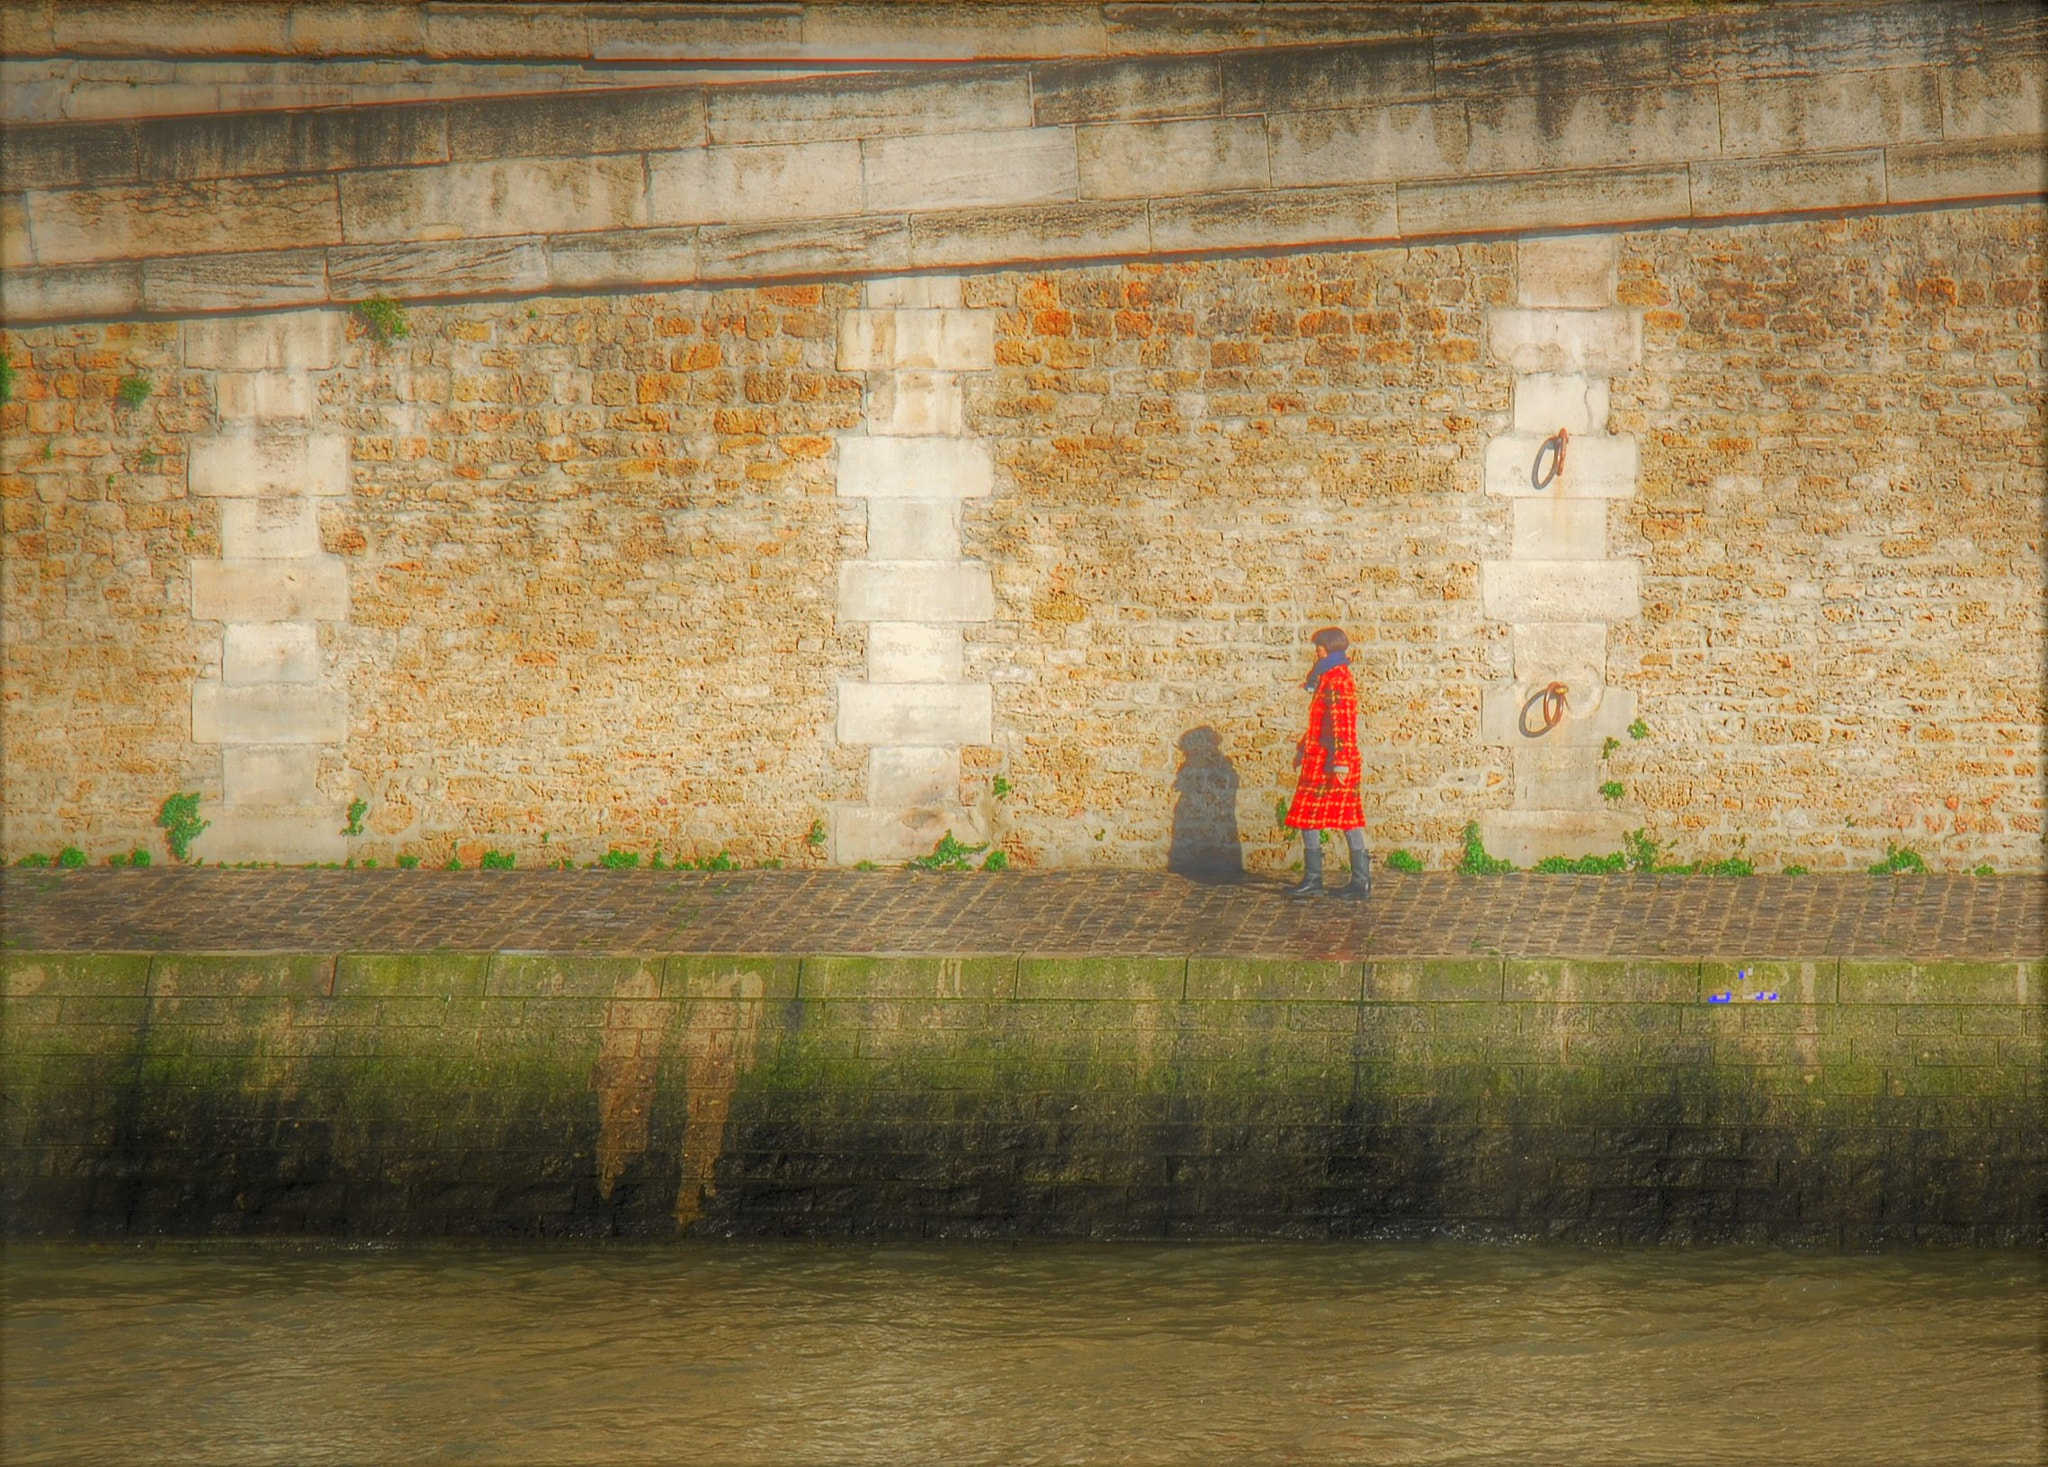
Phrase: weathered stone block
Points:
(1574, 271)
(915, 591)
(1560, 590)
(1829, 113)
(1807, 982)
(72, 975)
(66, 155)
(1595, 343)
(742, 185)
(1992, 168)
(969, 169)
(1776, 185)
(555, 976)
(1618, 196)
(888, 835)
(241, 975)
(912, 293)
(1548, 528)
(1993, 100)
(1596, 466)
(270, 590)
(905, 778)
(430, 270)
(1566, 128)
(1501, 718)
(411, 975)
(1483, 63)
(270, 652)
(265, 395)
(256, 465)
(1291, 216)
(862, 979)
(1547, 401)
(347, 28)
(980, 237)
(1557, 777)
(1876, 980)
(485, 33)
(1372, 145)
(274, 279)
(1126, 89)
(1147, 159)
(1296, 79)
(916, 404)
(867, 107)
(910, 652)
(731, 976)
(1115, 979)
(637, 258)
(457, 201)
(16, 251)
(1273, 980)
(293, 341)
(124, 220)
(270, 774)
(896, 33)
(915, 714)
(251, 144)
(805, 248)
(576, 125)
(282, 713)
(269, 529)
(913, 529)
(930, 340)
(1432, 980)
(1573, 653)
(71, 292)
(915, 468)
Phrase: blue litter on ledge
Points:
(1719, 997)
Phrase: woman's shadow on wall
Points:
(1206, 843)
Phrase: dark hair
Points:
(1332, 639)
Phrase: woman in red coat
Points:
(1326, 792)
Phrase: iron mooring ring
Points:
(1553, 445)
(1550, 704)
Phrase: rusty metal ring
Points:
(1550, 702)
(1553, 445)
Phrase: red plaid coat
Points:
(1321, 800)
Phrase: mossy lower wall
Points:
(517, 1094)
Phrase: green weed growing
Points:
(1475, 861)
(1898, 859)
(178, 818)
(1403, 860)
(948, 855)
(133, 392)
(383, 318)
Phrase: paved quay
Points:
(1065, 913)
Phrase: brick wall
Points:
(591, 550)
(1870, 1101)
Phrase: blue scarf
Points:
(1328, 661)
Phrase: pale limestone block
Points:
(912, 652)
(309, 341)
(901, 779)
(868, 107)
(1617, 196)
(2000, 100)
(1097, 89)
(86, 101)
(1572, 270)
(804, 247)
(253, 653)
(279, 713)
(1551, 528)
(913, 529)
(1295, 216)
(930, 340)
(746, 185)
(267, 280)
(1596, 466)
(1560, 590)
(250, 465)
(1829, 113)
(915, 590)
(460, 201)
(1991, 168)
(1527, 836)
(313, 589)
(1505, 709)
(270, 774)
(457, 267)
(348, 28)
(269, 529)
(25, 28)
(68, 292)
(1564, 128)
(970, 169)
(1017, 234)
(640, 257)
(691, 34)
(290, 835)
(115, 27)
(912, 293)
(890, 32)
(1595, 343)
(492, 33)
(1547, 401)
(133, 220)
(16, 252)
(916, 404)
(915, 468)
(1778, 185)
(1557, 777)
(1371, 145)
(921, 714)
(263, 395)
(863, 834)
(1570, 652)
(1148, 159)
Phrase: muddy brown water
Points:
(1432, 1352)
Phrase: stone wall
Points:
(601, 559)
(641, 1095)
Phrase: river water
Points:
(1385, 1353)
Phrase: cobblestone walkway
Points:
(1135, 913)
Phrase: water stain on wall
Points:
(624, 1078)
(720, 1038)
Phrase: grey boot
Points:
(1311, 865)
(1359, 887)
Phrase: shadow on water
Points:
(1207, 845)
